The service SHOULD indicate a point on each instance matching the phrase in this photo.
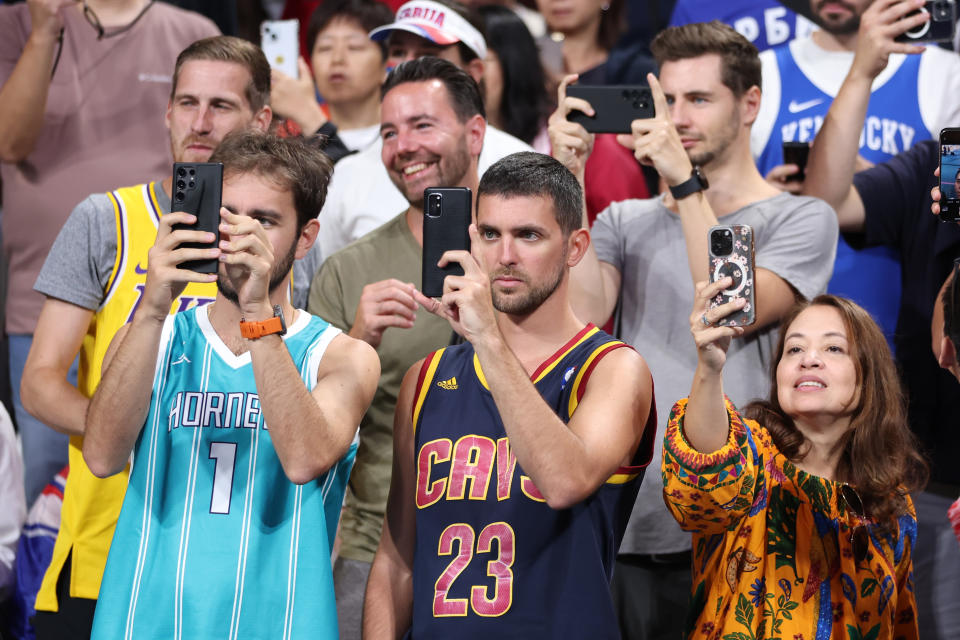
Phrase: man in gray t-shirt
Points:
(649, 253)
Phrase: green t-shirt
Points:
(390, 251)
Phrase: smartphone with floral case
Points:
(731, 254)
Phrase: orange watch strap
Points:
(252, 330)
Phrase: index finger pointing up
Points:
(659, 99)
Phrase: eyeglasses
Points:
(94, 21)
(859, 537)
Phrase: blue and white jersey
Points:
(213, 540)
(765, 23)
(911, 100)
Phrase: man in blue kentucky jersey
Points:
(243, 441)
(911, 100)
(765, 23)
(518, 454)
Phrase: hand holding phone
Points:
(796, 153)
(447, 213)
(938, 28)
(731, 255)
(197, 188)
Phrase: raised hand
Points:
(165, 281)
(569, 141)
(384, 304)
(712, 340)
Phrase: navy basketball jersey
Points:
(213, 540)
(893, 124)
(492, 559)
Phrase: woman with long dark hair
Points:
(802, 524)
(515, 84)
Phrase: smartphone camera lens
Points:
(192, 172)
(721, 242)
(941, 11)
(434, 205)
(179, 197)
(181, 184)
(181, 172)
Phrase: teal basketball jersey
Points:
(213, 540)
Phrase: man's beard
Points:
(527, 303)
(848, 26)
(450, 172)
(280, 272)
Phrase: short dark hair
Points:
(739, 60)
(464, 92)
(532, 174)
(238, 51)
(369, 14)
(294, 163)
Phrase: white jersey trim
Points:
(232, 360)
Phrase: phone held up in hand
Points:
(940, 26)
(197, 188)
(950, 175)
(615, 107)
(796, 153)
(280, 41)
(731, 254)
(446, 227)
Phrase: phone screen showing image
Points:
(950, 175)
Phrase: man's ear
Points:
(577, 245)
(476, 128)
(947, 358)
(475, 69)
(308, 235)
(750, 105)
(262, 118)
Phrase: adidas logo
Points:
(449, 385)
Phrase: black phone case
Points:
(796, 153)
(615, 107)
(940, 27)
(739, 266)
(197, 188)
(445, 229)
(949, 201)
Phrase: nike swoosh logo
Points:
(139, 269)
(797, 107)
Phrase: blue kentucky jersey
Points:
(492, 559)
(893, 124)
(213, 539)
(765, 23)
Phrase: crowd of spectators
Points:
(766, 521)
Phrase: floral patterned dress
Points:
(772, 551)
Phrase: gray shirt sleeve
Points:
(607, 238)
(799, 243)
(82, 258)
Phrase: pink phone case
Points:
(739, 266)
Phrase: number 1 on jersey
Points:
(225, 453)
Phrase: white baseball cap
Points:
(437, 23)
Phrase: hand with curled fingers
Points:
(384, 304)
(779, 178)
(248, 255)
(713, 340)
(656, 142)
(46, 18)
(165, 281)
(569, 141)
(295, 98)
(883, 21)
(467, 303)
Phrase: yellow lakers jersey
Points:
(91, 505)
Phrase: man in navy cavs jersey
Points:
(518, 454)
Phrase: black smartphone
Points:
(940, 26)
(950, 175)
(731, 254)
(197, 188)
(446, 227)
(796, 153)
(615, 107)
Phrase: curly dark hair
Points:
(880, 456)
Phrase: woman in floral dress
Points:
(802, 525)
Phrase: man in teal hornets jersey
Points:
(241, 416)
(518, 454)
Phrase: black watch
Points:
(696, 182)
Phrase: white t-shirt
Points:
(938, 96)
(359, 139)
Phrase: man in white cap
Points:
(361, 196)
